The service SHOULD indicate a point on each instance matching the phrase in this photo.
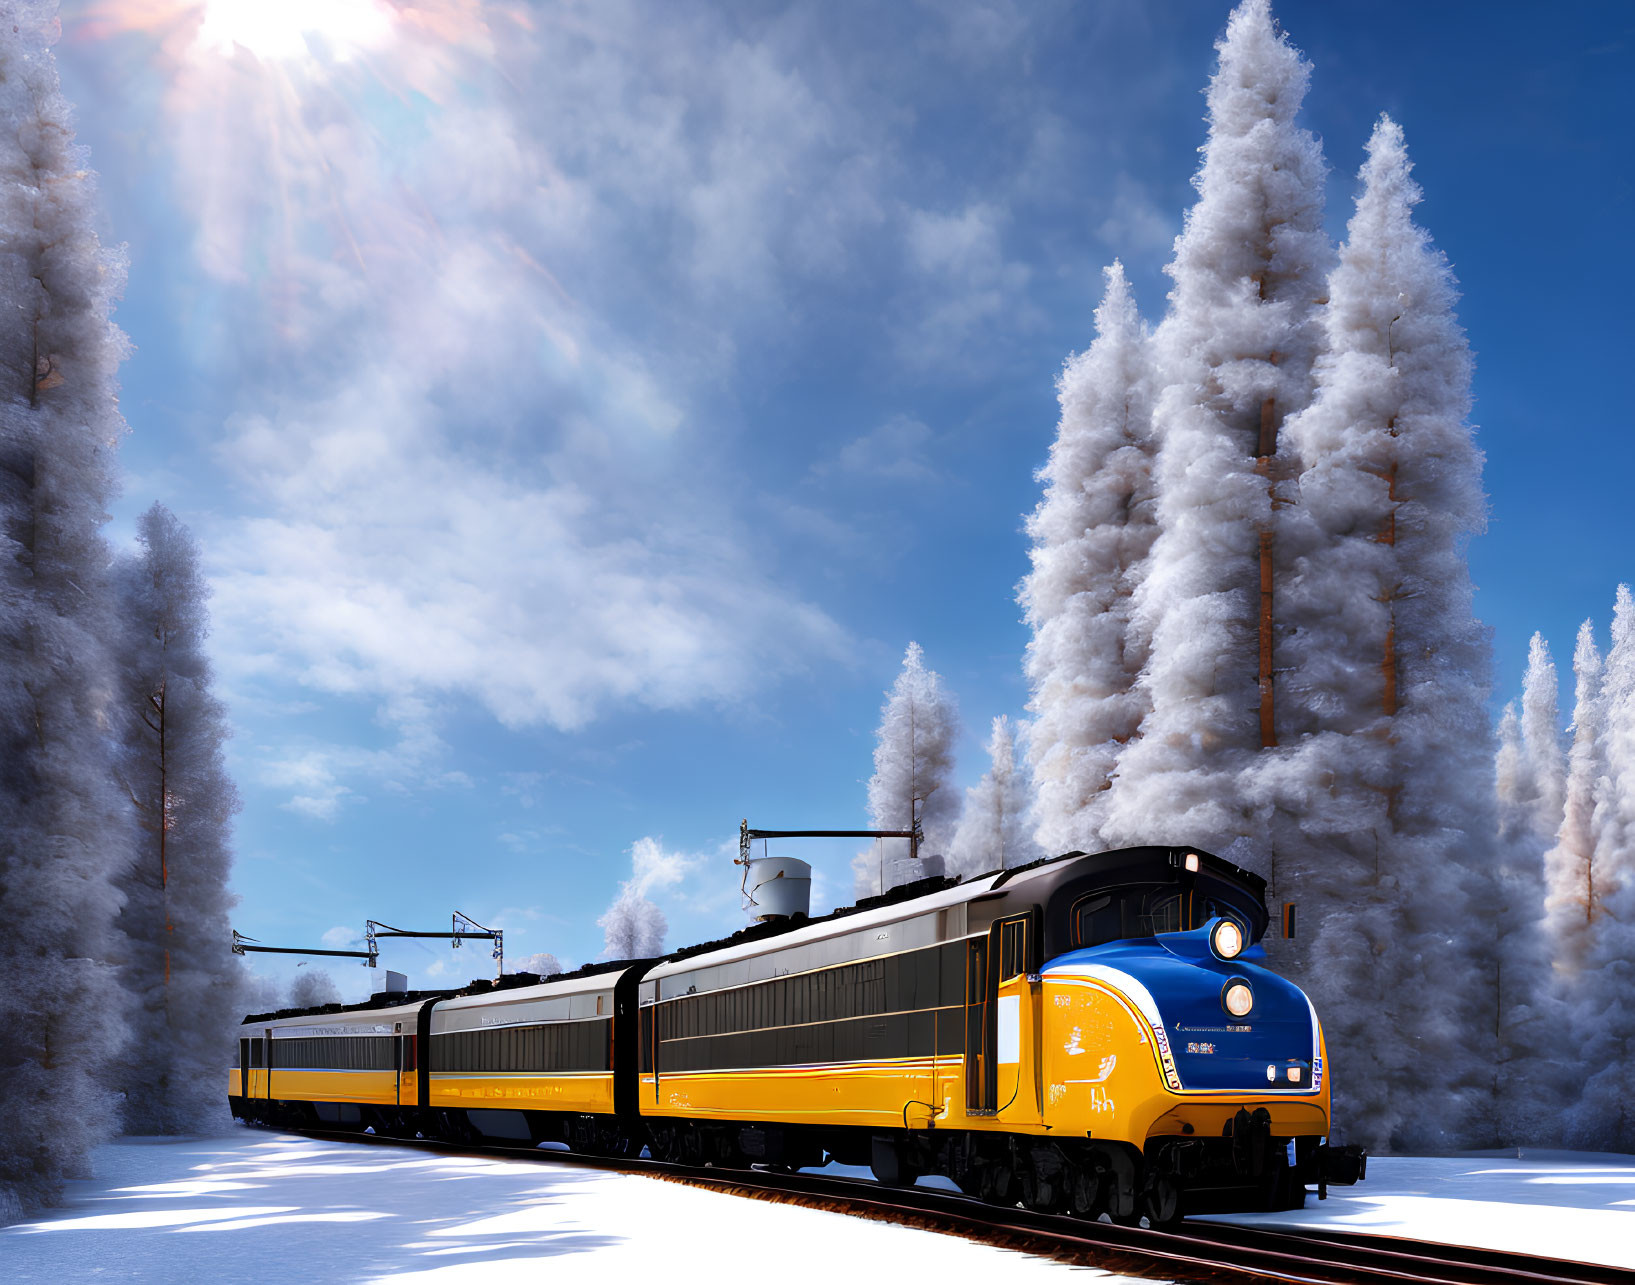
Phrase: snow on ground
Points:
(279, 1207)
(1561, 1204)
(276, 1207)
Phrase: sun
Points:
(284, 30)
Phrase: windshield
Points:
(1139, 910)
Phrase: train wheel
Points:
(889, 1164)
(1161, 1203)
(998, 1183)
(1084, 1193)
(662, 1144)
(1283, 1191)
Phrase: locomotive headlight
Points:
(1227, 940)
(1237, 998)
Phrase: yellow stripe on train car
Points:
(590, 1091)
(377, 1087)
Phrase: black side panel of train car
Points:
(626, 1059)
(422, 1061)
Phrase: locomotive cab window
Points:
(1120, 913)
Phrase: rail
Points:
(1193, 1251)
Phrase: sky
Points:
(581, 406)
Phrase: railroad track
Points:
(1200, 1252)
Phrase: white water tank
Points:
(779, 888)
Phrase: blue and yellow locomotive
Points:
(1091, 1032)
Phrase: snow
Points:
(1559, 1204)
(309, 1210)
(312, 1210)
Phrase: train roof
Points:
(390, 1000)
(578, 982)
(1036, 879)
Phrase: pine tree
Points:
(1091, 534)
(1604, 1009)
(177, 968)
(1570, 866)
(1379, 802)
(63, 837)
(912, 781)
(633, 926)
(542, 964)
(993, 833)
(1511, 782)
(1546, 765)
(1530, 777)
(1234, 357)
(313, 989)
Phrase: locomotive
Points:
(1093, 1033)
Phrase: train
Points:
(1093, 1033)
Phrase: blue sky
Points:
(582, 406)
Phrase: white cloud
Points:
(480, 322)
(341, 937)
(527, 788)
(653, 866)
(967, 282)
(318, 772)
(468, 484)
(897, 451)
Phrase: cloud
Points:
(966, 282)
(897, 451)
(527, 840)
(653, 866)
(525, 787)
(319, 772)
(341, 937)
(476, 277)
(458, 477)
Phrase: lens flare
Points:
(290, 29)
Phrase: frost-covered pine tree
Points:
(543, 964)
(1569, 866)
(993, 831)
(1510, 775)
(633, 927)
(912, 781)
(63, 831)
(1379, 801)
(178, 971)
(1234, 357)
(1604, 997)
(1544, 766)
(1531, 784)
(1530, 769)
(1091, 534)
(312, 989)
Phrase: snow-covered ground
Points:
(283, 1208)
(1561, 1204)
(278, 1208)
